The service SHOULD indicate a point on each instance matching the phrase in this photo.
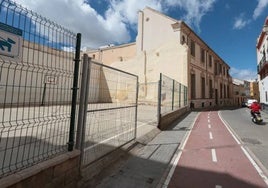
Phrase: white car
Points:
(250, 101)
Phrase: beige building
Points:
(239, 92)
(169, 46)
(254, 90)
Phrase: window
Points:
(210, 89)
(192, 86)
(216, 68)
(210, 61)
(220, 68)
(221, 91)
(202, 55)
(203, 89)
(192, 48)
(224, 90)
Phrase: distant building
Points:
(254, 90)
(262, 65)
(169, 46)
(239, 92)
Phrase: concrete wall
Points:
(154, 30)
(167, 119)
(61, 171)
(42, 73)
(111, 54)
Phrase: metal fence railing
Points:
(36, 81)
(111, 113)
(148, 103)
(173, 95)
(39, 80)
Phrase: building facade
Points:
(254, 90)
(262, 65)
(240, 92)
(169, 46)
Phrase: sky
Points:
(230, 28)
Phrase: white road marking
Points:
(209, 126)
(177, 156)
(210, 135)
(258, 169)
(209, 120)
(214, 156)
(218, 186)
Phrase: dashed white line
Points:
(209, 126)
(210, 135)
(259, 170)
(214, 156)
(218, 186)
(209, 120)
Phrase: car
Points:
(244, 104)
(250, 101)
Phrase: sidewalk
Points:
(147, 164)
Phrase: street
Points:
(214, 157)
(254, 137)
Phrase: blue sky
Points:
(230, 28)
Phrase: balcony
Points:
(262, 65)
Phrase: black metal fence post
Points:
(74, 96)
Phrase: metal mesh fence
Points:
(36, 77)
(148, 103)
(173, 94)
(111, 113)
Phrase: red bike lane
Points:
(212, 158)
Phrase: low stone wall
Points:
(60, 171)
(169, 118)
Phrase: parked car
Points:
(244, 104)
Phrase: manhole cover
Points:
(150, 180)
(251, 141)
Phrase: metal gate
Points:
(109, 119)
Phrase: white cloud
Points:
(240, 22)
(243, 74)
(78, 16)
(128, 9)
(262, 5)
(195, 10)
(113, 26)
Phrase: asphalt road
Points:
(151, 164)
(212, 158)
(253, 137)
